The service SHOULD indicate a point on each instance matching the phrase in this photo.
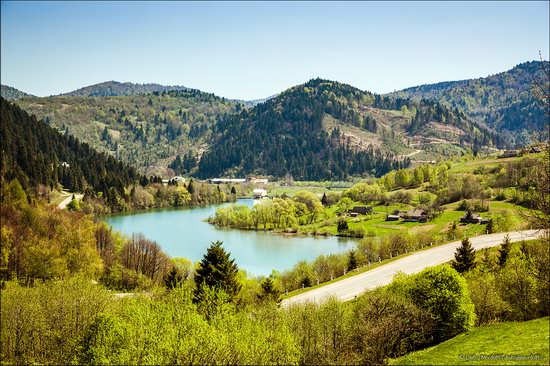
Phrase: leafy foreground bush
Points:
(444, 294)
(71, 323)
(80, 323)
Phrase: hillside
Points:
(328, 130)
(146, 131)
(319, 130)
(9, 93)
(509, 341)
(35, 154)
(504, 101)
(115, 88)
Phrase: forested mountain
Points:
(146, 131)
(504, 101)
(115, 88)
(35, 154)
(327, 130)
(318, 130)
(9, 93)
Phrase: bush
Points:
(402, 197)
(444, 294)
(388, 325)
(488, 304)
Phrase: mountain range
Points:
(321, 129)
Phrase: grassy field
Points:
(511, 343)
(489, 162)
(376, 224)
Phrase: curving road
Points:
(66, 201)
(350, 287)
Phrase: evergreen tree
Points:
(270, 292)
(218, 272)
(464, 257)
(504, 250)
(173, 278)
(352, 260)
(490, 228)
(324, 200)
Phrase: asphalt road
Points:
(66, 201)
(350, 287)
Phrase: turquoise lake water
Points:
(183, 233)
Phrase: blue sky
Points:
(252, 50)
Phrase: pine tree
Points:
(504, 250)
(270, 292)
(490, 228)
(217, 271)
(352, 261)
(324, 200)
(464, 257)
(173, 278)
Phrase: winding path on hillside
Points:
(66, 201)
(351, 287)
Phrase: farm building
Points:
(256, 180)
(509, 154)
(415, 215)
(472, 218)
(259, 193)
(226, 180)
(392, 218)
(362, 210)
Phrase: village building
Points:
(259, 193)
(415, 215)
(362, 210)
(256, 180)
(509, 154)
(392, 218)
(226, 180)
(473, 218)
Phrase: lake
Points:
(183, 233)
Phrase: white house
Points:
(259, 193)
(226, 180)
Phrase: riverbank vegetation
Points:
(444, 192)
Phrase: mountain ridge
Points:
(10, 93)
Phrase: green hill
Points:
(328, 130)
(146, 131)
(35, 154)
(512, 343)
(504, 101)
(115, 88)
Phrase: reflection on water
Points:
(183, 233)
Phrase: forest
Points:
(35, 154)
(504, 102)
(42, 160)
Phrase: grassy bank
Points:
(511, 343)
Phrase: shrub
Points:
(488, 304)
(444, 294)
(388, 325)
